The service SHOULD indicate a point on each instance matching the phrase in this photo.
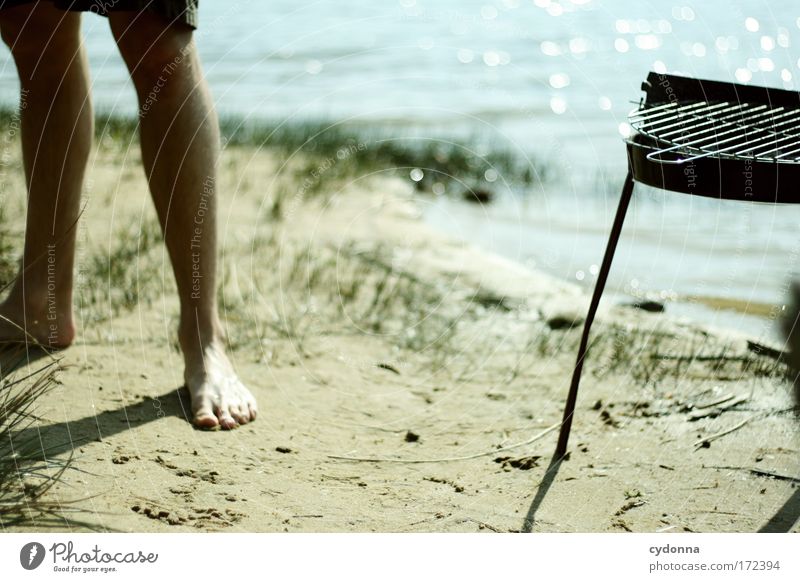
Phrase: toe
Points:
(228, 423)
(205, 419)
(226, 420)
(239, 414)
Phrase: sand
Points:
(365, 334)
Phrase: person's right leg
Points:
(56, 126)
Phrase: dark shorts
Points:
(176, 11)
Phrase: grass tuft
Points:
(26, 472)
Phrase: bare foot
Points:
(219, 399)
(52, 329)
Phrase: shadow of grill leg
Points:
(616, 229)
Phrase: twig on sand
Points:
(754, 471)
(704, 442)
(717, 408)
(763, 473)
(720, 400)
(448, 459)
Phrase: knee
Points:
(155, 53)
(43, 41)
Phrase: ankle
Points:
(47, 322)
(195, 336)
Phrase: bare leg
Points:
(56, 124)
(180, 149)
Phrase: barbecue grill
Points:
(704, 138)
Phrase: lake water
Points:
(553, 79)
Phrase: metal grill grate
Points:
(685, 132)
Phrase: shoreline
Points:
(688, 272)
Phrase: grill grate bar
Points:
(645, 115)
(673, 107)
(684, 118)
(792, 138)
(767, 133)
(737, 111)
(744, 152)
(795, 151)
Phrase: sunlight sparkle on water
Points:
(621, 45)
(558, 105)
(751, 24)
(555, 9)
(683, 13)
(578, 45)
(465, 56)
(693, 49)
(550, 48)
(559, 80)
(647, 42)
(489, 12)
(495, 58)
(783, 38)
(623, 26)
(491, 58)
(743, 75)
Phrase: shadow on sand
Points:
(541, 492)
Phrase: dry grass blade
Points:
(529, 441)
(26, 473)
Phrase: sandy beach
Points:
(402, 376)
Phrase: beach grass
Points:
(303, 292)
(458, 166)
(123, 274)
(8, 249)
(27, 473)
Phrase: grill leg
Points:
(611, 246)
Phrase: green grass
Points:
(457, 166)
(120, 276)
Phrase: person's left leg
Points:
(180, 149)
